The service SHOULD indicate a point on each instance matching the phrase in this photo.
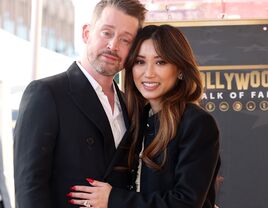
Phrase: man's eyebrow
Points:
(110, 26)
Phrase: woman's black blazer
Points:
(187, 180)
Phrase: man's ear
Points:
(86, 32)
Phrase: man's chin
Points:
(108, 71)
(111, 68)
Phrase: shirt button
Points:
(148, 125)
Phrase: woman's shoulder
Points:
(196, 120)
(196, 112)
(192, 108)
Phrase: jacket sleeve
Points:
(194, 172)
(34, 140)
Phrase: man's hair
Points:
(130, 7)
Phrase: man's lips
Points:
(111, 57)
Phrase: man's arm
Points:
(34, 141)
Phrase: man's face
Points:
(109, 40)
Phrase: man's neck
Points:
(106, 82)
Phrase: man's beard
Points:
(102, 67)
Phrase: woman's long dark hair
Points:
(172, 46)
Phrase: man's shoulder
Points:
(55, 79)
(53, 83)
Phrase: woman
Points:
(177, 142)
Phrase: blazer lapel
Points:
(120, 157)
(124, 145)
(86, 99)
(123, 105)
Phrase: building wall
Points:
(57, 22)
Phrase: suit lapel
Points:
(124, 145)
(86, 99)
(123, 105)
(120, 157)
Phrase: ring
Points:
(86, 203)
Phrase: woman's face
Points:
(153, 76)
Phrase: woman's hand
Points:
(95, 196)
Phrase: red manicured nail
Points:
(69, 194)
(90, 180)
(71, 201)
(72, 188)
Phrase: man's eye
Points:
(106, 33)
(125, 41)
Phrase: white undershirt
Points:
(138, 179)
(115, 118)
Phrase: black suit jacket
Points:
(187, 180)
(62, 136)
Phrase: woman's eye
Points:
(139, 62)
(161, 62)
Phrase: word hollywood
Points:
(235, 80)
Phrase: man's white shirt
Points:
(115, 118)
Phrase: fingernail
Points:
(90, 180)
(72, 188)
(69, 194)
(71, 201)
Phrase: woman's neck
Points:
(156, 106)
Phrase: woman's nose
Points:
(149, 70)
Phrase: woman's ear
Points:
(86, 32)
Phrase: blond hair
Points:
(130, 7)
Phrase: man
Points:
(70, 125)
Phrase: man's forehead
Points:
(114, 18)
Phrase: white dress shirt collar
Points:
(115, 116)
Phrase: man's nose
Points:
(113, 44)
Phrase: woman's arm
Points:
(195, 173)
